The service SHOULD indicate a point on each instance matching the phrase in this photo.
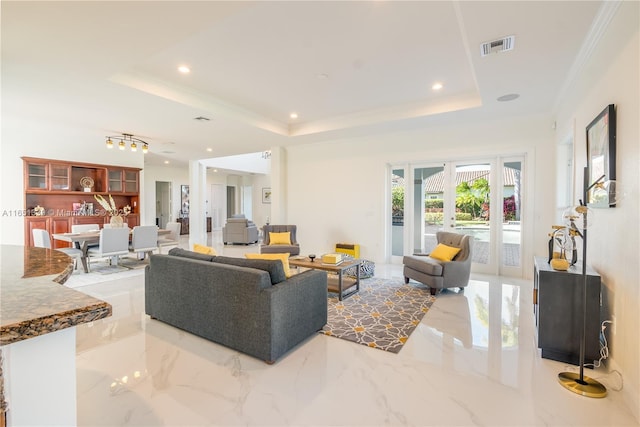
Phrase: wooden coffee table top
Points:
(319, 265)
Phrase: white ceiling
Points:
(346, 68)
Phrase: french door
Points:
(480, 198)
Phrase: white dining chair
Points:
(42, 239)
(171, 239)
(113, 243)
(144, 240)
(82, 228)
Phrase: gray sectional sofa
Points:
(247, 305)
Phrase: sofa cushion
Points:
(444, 252)
(283, 257)
(189, 254)
(280, 238)
(423, 264)
(202, 249)
(273, 267)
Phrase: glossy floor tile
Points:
(471, 362)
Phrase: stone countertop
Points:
(32, 300)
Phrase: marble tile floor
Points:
(472, 361)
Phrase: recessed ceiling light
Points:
(508, 97)
(293, 115)
(166, 162)
(184, 69)
(215, 170)
(209, 149)
(437, 86)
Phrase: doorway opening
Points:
(163, 203)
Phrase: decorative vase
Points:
(116, 221)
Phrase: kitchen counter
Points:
(37, 335)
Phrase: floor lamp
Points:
(580, 383)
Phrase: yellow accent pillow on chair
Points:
(202, 249)
(444, 252)
(280, 238)
(282, 257)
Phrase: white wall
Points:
(611, 77)
(336, 189)
(50, 141)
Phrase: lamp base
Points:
(586, 387)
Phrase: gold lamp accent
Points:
(580, 383)
(127, 138)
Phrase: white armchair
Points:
(239, 230)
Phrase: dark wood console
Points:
(557, 299)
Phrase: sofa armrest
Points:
(298, 308)
(457, 272)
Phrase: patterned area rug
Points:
(382, 315)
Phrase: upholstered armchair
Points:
(239, 230)
(441, 273)
(270, 246)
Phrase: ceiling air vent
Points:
(495, 46)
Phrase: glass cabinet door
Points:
(115, 180)
(37, 176)
(59, 175)
(130, 181)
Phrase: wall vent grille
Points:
(496, 46)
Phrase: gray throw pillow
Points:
(189, 254)
(273, 267)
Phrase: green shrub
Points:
(438, 217)
(433, 203)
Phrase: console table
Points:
(557, 305)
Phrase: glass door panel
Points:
(428, 206)
(511, 214)
(397, 212)
(472, 207)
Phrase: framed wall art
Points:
(266, 195)
(601, 155)
(184, 195)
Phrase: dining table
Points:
(83, 240)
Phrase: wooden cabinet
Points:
(123, 181)
(557, 299)
(56, 186)
(184, 225)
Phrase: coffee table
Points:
(343, 286)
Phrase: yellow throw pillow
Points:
(202, 249)
(444, 252)
(282, 257)
(280, 238)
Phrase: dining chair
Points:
(113, 243)
(144, 240)
(171, 239)
(83, 228)
(42, 239)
